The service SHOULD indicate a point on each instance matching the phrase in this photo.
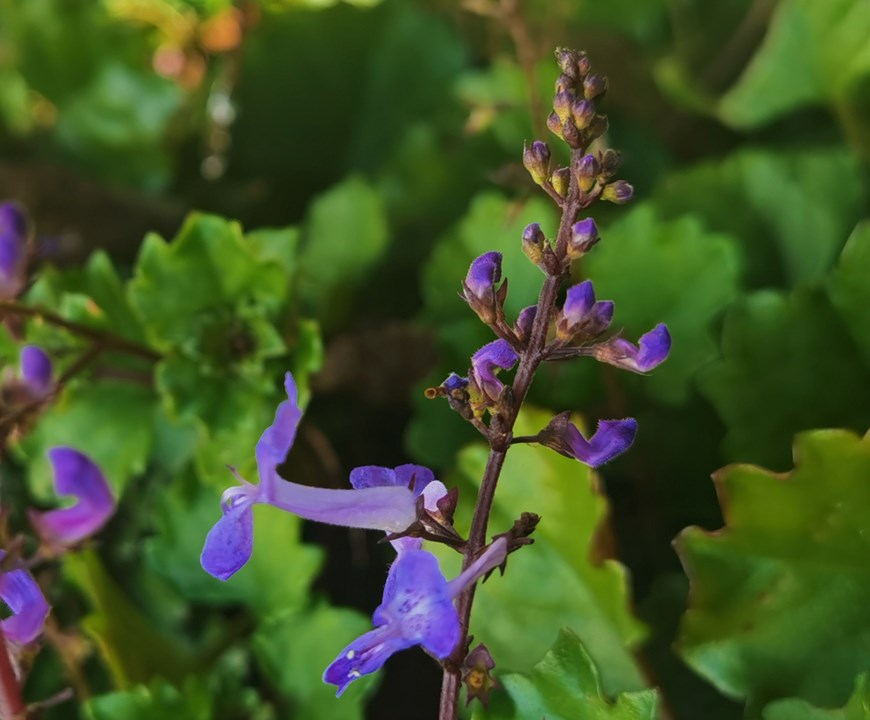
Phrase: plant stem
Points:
(108, 341)
(11, 703)
(500, 436)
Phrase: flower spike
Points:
(228, 545)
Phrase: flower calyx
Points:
(476, 674)
(435, 526)
(516, 537)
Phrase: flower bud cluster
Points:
(575, 118)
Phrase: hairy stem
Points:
(11, 703)
(500, 437)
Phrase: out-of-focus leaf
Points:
(294, 648)
(134, 650)
(850, 289)
(110, 421)
(566, 685)
(344, 236)
(790, 209)
(277, 577)
(788, 365)
(672, 272)
(554, 582)
(778, 597)
(814, 52)
(159, 701)
(858, 707)
(117, 124)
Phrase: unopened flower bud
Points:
(554, 124)
(567, 61)
(564, 84)
(533, 242)
(583, 64)
(619, 192)
(560, 181)
(594, 86)
(583, 112)
(572, 134)
(584, 235)
(525, 320)
(562, 105)
(610, 161)
(587, 171)
(536, 159)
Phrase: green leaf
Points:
(277, 576)
(555, 581)
(858, 707)
(159, 701)
(565, 685)
(189, 292)
(814, 52)
(345, 234)
(779, 596)
(295, 648)
(822, 187)
(110, 421)
(130, 645)
(849, 289)
(672, 272)
(788, 365)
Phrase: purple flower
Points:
(525, 321)
(13, 249)
(77, 475)
(36, 371)
(229, 543)
(584, 235)
(483, 274)
(611, 438)
(25, 600)
(417, 609)
(582, 314)
(619, 192)
(487, 361)
(650, 352)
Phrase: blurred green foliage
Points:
(371, 150)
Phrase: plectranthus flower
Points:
(485, 363)
(13, 249)
(27, 604)
(479, 289)
(650, 352)
(582, 316)
(417, 609)
(611, 438)
(77, 475)
(229, 543)
(584, 236)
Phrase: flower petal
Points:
(77, 475)
(29, 607)
(229, 543)
(611, 438)
(13, 249)
(497, 354)
(650, 352)
(277, 439)
(36, 370)
(363, 656)
(485, 271)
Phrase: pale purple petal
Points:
(611, 438)
(578, 302)
(454, 382)
(484, 273)
(77, 475)
(277, 439)
(363, 656)
(28, 605)
(36, 371)
(229, 543)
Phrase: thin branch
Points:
(11, 703)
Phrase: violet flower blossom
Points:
(581, 313)
(36, 370)
(229, 543)
(483, 274)
(485, 362)
(13, 249)
(417, 609)
(650, 352)
(611, 438)
(28, 605)
(77, 475)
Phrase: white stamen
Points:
(351, 654)
(354, 674)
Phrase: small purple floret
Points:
(578, 302)
(13, 249)
(650, 352)
(484, 273)
(75, 474)
(612, 438)
(36, 371)
(495, 355)
(25, 600)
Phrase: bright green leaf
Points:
(672, 272)
(779, 597)
(814, 52)
(858, 707)
(788, 365)
(565, 685)
(295, 648)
